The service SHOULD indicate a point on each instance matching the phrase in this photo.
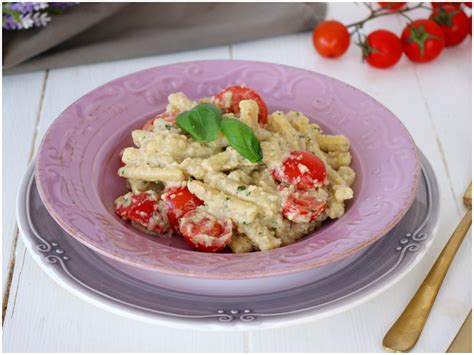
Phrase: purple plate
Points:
(78, 160)
(119, 288)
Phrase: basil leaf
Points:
(211, 107)
(202, 122)
(242, 139)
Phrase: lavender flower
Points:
(35, 20)
(25, 15)
(27, 7)
(9, 23)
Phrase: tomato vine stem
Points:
(383, 12)
(406, 16)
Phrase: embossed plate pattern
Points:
(78, 160)
(83, 272)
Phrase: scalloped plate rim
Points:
(136, 262)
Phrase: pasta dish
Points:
(224, 174)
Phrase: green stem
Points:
(426, 7)
(367, 5)
(377, 13)
(406, 16)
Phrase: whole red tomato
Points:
(331, 39)
(454, 23)
(435, 5)
(422, 40)
(393, 6)
(382, 49)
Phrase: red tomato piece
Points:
(148, 126)
(436, 5)
(144, 210)
(453, 22)
(121, 155)
(382, 49)
(179, 201)
(204, 232)
(166, 116)
(301, 207)
(228, 100)
(392, 6)
(468, 4)
(470, 25)
(302, 169)
(423, 40)
(331, 39)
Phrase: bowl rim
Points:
(79, 235)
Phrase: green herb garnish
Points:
(242, 139)
(202, 122)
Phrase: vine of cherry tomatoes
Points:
(421, 40)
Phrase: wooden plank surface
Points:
(21, 104)
(432, 100)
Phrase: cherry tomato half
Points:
(454, 23)
(302, 169)
(393, 6)
(382, 49)
(166, 116)
(179, 201)
(204, 232)
(331, 39)
(422, 40)
(144, 210)
(228, 101)
(301, 207)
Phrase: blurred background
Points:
(52, 35)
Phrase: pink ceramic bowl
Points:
(78, 160)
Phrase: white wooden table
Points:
(433, 100)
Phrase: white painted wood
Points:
(21, 102)
(448, 98)
(47, 318)
(418, 95)
(432, 100)
(57, 321)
